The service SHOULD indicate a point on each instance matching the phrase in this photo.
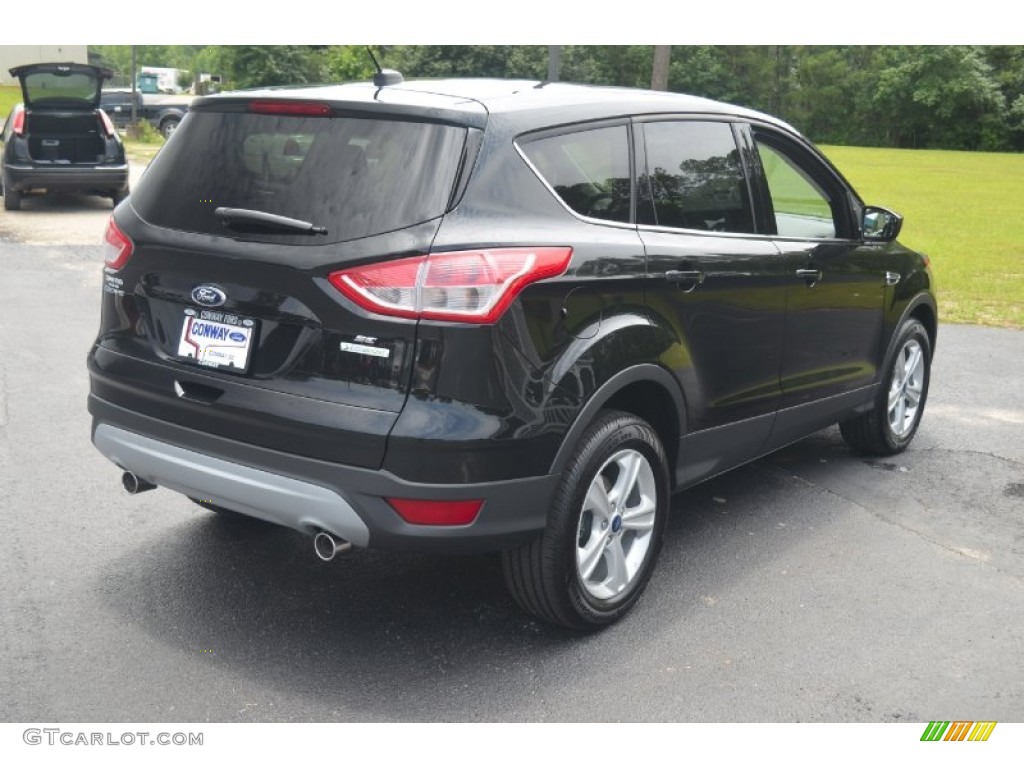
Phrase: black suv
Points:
(58, 139)
(473, 315)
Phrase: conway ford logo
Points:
(208, 295)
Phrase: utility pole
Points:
(554, 62)
(135, 86)
(659, 72)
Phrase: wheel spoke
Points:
(900, 372)
(913, 393)
(589, 555)
(901, 412)
(894, 398)
(640, 517)
(597, 500)
(914, 359)
(618, 572)
(629, 467)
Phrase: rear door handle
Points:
(811, 276)
(693, 276)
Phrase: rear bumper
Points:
(66, 178)
(309, 495)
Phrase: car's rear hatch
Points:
(226, 322)
(61, 86)
(62, 123)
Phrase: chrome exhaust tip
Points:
(135, 484)
(326, 546)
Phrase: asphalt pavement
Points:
(812, 585)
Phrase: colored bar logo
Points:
(960, 730)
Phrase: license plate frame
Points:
(221, 341)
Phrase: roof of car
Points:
(524, 104)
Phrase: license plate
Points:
(217, 339)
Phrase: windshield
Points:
(354, 177)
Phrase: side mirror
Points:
(880, 224)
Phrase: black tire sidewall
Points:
(12, 200)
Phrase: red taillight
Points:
(461, 286)
(117, 247)
(303, 108)
(108, 127)
(423, 512)
(18, 124)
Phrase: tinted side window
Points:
(589, 170)
(696, 178)
(802, 208)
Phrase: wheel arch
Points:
(921, 308)
(924, 311)
(645, 390)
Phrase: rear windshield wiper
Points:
(265, 220)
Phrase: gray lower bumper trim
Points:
(283, 500)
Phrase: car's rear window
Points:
(354, 176)
(57, 89)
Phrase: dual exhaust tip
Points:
(135, 484)
(325, 545)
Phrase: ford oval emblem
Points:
(208, 295)
(237, 336)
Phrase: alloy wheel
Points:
(616, 525)
(906, 387)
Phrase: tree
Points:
(626, 65)
(252, 66)
(349, 62)
(962, 97)
(938, 96)
(511, 61)
(659, 73)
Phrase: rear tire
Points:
(604, 529)
(12, 200)
(119, 196)
(890, 426)
(169, 126)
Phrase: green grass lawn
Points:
(965, 210)
(9, 96)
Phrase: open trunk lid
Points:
(61, 86)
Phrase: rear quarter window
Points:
(354, 176)
(587, 169)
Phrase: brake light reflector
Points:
(424, 512)
(117, 246)
(18, 124)
(460, 286)
(304, 108)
